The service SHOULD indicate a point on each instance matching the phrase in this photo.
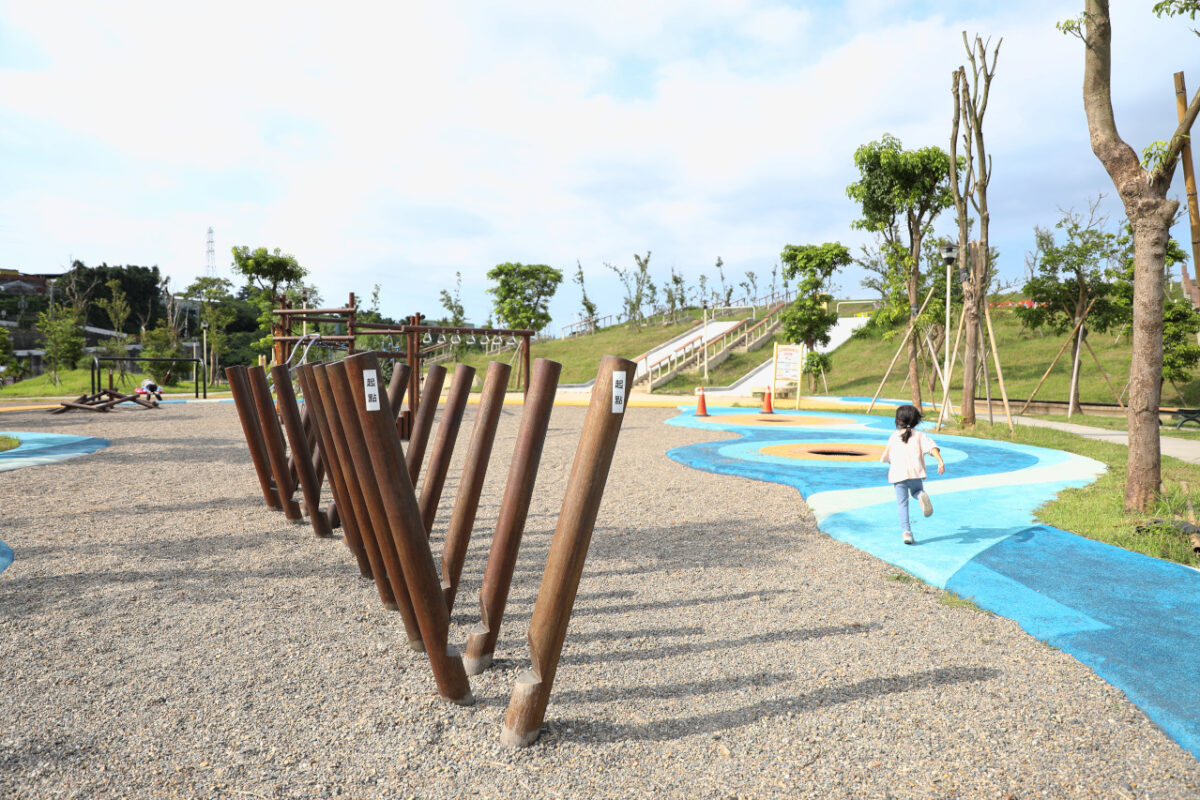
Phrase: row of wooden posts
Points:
(347, 430)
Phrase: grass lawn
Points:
(1096, 511)
(7, 443)
(76, 382)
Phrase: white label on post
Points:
(371, 385)
(618, 393)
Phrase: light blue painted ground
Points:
(1129, 617)
(42, 448)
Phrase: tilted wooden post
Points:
(243, 400)
(397, 387)
(407, 531)
(310, 486)
(333, 467)
(353, 483)
(470, 486)
(518, 490)
(273, 439)
(356, 445)
(431, 395)
(443, 445)
(568, 551)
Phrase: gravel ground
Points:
(163, 634)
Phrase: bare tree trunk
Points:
(914, 344)
(1144, 470)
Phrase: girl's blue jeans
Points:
(913, 487)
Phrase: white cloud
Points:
(402, 142)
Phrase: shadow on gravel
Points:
(586, 730)
(668, 691)
(90, 593)
(672, 651)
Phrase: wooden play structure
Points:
(418, 341)
(349, 431)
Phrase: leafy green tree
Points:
(140, 286)
(810, 317)
(523, 292)
(726, 296)
(162, 341)
(62, 338)
(816, 364)
(7, 360)
(1068, 277)
(456, 315)
(901, 192)
(1181, 353)
(269, 272)
(217, 313)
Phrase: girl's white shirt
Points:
(906, 460)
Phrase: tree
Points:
(217, 312)
(162, 341)
(637, 286)
(268, 272)
(140, 285)
(61, 338)
(522, 293)
(8, 362)
(1070, 278)
(901, 192)
(589, 308)
(1181, 353)
(970, 105)
(1143, 191)
(726, 296)
(810, 317)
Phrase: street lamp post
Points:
(703, 334)
(204, 350)
(949, 256)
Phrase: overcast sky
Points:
(396, 143)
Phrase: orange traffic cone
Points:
(701, 406)
(767, 408)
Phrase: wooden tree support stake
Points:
(568, 551)
(1061, 350)
(912, 324)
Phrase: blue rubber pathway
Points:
(1129, 617)
(42, 448)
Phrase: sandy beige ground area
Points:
(164, 634)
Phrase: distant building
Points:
(15, 282)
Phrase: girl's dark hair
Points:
(907, 417)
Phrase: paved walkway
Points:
(1129, 617)
(1183, 449)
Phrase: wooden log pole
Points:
(344, 507)
(470, 485)
(431, 395)
(354, 491)
(397, 388)
(293, 426)
(514, 508)
(273, 439)
(443, 445)
(369, 483)
(243, 401)
(568, 551)
(502, 558)
(403, 515)
(987, 316)
(962, 317)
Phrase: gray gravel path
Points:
(163, 634)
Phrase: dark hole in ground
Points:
(837, 452)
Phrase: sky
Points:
(399, 143)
